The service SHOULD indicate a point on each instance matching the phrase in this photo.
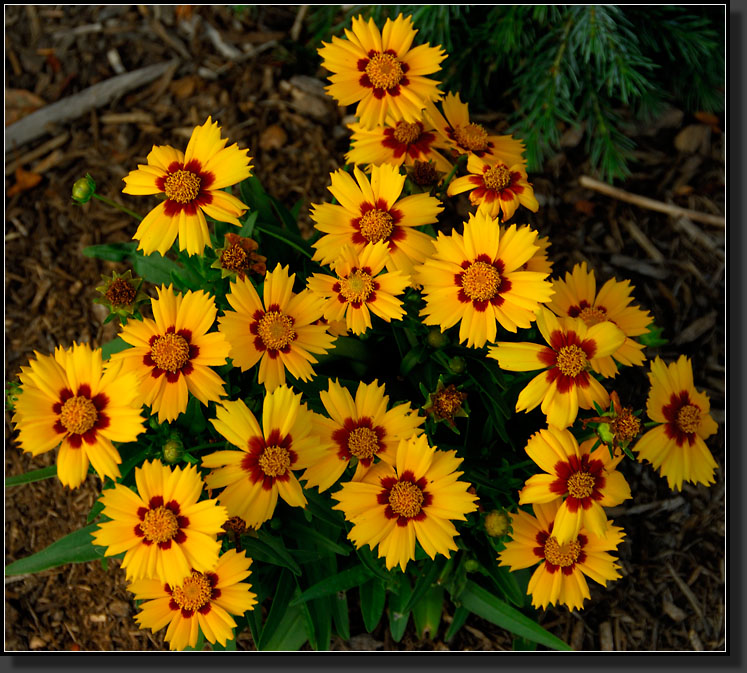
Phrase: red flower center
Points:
(271, 459)
(360, 439)
(582, 479)
(161, 523)
(171, 354)
(471, 137)
(482, 282)
(194, 594)
(80, 416)
(497, 177)
(405, 498)
(557, 556)
(182, 186)
(683, 418)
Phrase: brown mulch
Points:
(248, 70)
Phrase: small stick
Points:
(651, 204)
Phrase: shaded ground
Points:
(253, 77)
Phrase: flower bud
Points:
(496, 523)
(436, 338)
(471, 565)
(173, 449)
(457, 365)
(84, 189)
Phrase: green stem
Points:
(283, 239)
(118, 206)
(462, 158)
(201, 447)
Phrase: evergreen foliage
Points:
(581, 65)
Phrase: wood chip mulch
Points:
(250, 69)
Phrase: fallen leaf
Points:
(25, 180)
(273, 138)
(584, 206)
(693, 138)
(710, 119)
(19, 103)
(683, 190)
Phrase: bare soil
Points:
(249, 70)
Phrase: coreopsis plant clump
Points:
(287, 429)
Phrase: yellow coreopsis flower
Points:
(71, 401)
(369, 211)
(173, 353)
(254, 476)
(359, 288)
(392, 506)
(461, 136)
(495, 188)
(565, 383)
(164, 529)
(360, 430)
(203, 602)
(676, 447)
(577, 297)
(380, 71)
(280, 334)
(561, 575)
(192, 182)
(397, 142)
(587, 480)
(476, 279)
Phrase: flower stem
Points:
(118, 206)
(458, 163)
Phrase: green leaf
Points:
(77, 547)
(279, 609)
(154, 268)
(347, 579)
(111, 252)
(292, 241)
(457, 622)
(506, 583)
(487, 606)
(278, 547)
(315, 540)
(116, 345)
(398, 600)
(426, 613)
(30, 477)
(260, 551)
(425, 581)
(290, 634)
(367, 559)
(653, 338)
(373, 597)
(254, 196)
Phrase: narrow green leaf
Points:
(398, 600)
(315, 540)
(260, 551)
(278, 546)
(482, 603)
(290, 635)
(77, 547)
(504, 579)
(424, 582)
(295, 242)
(367, 559)
(279, 609)
(347, 579)
(30, 477)
(373, 597)
(426, 613)
(457, 622)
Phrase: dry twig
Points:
(651, 204)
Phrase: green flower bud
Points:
(84, 189)
(470, 565)
(496, 523)
(436, 338)
(457, 365)
(173, 450)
